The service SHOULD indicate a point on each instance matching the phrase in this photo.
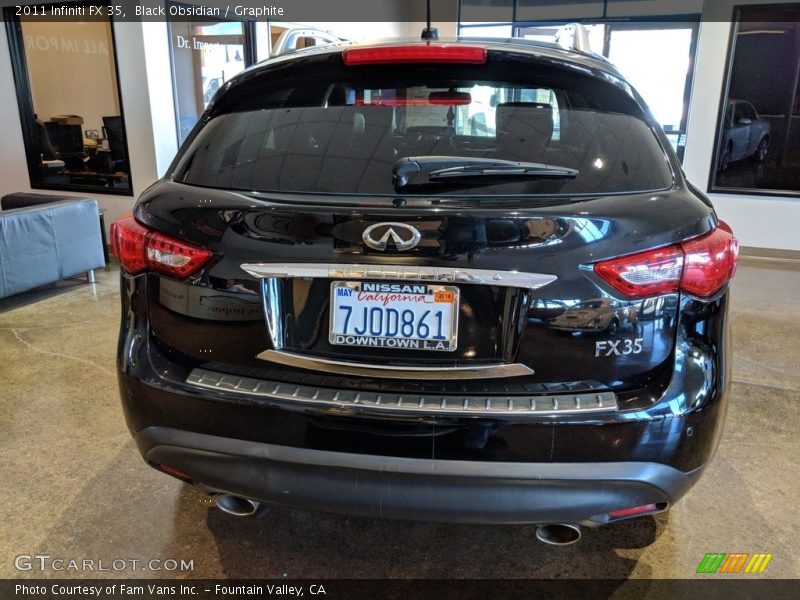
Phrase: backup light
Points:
(139, 249)
(645, 274)
(700, 266)
(427, 53)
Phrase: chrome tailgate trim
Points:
(517, 279)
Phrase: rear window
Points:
(318, 126)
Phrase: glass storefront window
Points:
(485, 30)
(758, 141)
(70, 109)
(205, 55)
(657, 61)
(655, 57)
(651, 42)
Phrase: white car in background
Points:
(744, 134)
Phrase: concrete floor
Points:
(75, 487)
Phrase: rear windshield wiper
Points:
(444, 168)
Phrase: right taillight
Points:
(139, 249)
(710, 261)
(700, 266)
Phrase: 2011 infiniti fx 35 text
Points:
(345, 293)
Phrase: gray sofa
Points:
(43, 243)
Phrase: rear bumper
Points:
(417, 489)
(433, 462)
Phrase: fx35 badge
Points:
(618, 347)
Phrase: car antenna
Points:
(430, 33)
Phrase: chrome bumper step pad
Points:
(368, 401)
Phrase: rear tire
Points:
(762, 150)
(613, 327)
(725, 161)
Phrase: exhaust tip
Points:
(235, 505)
(559, 534)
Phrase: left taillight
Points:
(700, 266)
(139, 249)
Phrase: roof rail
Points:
(288, 39)
(573, 36)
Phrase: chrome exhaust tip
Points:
(558, 534)
(236, 506)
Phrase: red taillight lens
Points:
(127, 243)
(700, 267)
(645, 274)
(429, 53)
(139, 248)
(710, 262)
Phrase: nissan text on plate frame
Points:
(441, 281)
(394, 315)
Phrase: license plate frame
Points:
(386, 293)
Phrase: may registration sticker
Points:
(408, 316)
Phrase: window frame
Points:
(19, 67)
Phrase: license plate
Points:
(408, 316)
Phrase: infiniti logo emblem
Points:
(404, 237)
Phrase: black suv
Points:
(353, 291)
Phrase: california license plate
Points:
(408, 316)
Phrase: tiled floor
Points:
(75, 487)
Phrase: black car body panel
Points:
(200, 397)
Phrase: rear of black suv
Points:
(461, 282)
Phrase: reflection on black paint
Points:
(618, 342)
